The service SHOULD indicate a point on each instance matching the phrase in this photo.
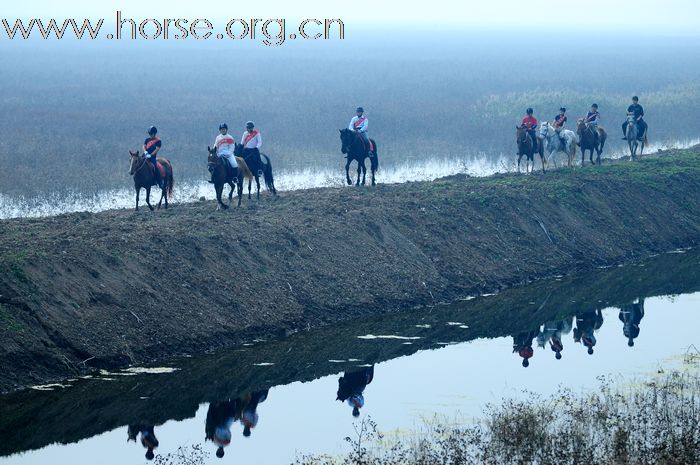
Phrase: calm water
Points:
(447, 361)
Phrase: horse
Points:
(221, 175)
(144, 177)
(354, 149)
(526, 146)
(554, 144)
(633, 136)
(258, 168)
(587, 140)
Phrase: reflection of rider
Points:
(252, 141)
(591, 120)
(522, 344)
(637, 111)
(553, 331)
(530, 123)
(148, 438)
(220, 417)
(224, 144)
(359, 124)
(249, 417)
(586, 324)
(631, 315)
(351, 386)
(151, 147)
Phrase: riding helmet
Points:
(249, 124)
(562, 109)
(360, 110)
(152, 131)
(529, 111)
(635, 98)
(223, 126)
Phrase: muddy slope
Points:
(86, 291)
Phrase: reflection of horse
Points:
(634, 138)
(588, 140)
(220, 418)
(351, 386)
(528, 147)
(631, 315)
(261, 166)
(564, 141)
(522, 344)
(144, 177)
(553, 331)
(355, 149)
(586, 324)
(223, 174)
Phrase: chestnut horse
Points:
(144, 177)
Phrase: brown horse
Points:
(588, 142)
(221, 175)
(144, 177)
(526, 147)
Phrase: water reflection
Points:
(233, 385)
(148, 438)
(351, 388)
(630, 316)
(221, 416)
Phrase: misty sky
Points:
(669, 16)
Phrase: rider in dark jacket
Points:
(638, 112)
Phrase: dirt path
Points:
(86, 291)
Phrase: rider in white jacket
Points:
(360, 124)
(225, 144)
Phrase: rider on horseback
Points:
(359, 124)
(251, 141)
(637, 111)
(591, 120)
(224, 144)
(151, 147)
(559, 122)
(530, 123)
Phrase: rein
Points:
(143, 163)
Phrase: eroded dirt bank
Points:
(86, 291)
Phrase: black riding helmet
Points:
(562, 109)
(223, 126)
(249, 125)
(152, 131)
(360, 110)
(529, 111)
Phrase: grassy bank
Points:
(81, 292)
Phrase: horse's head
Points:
(630, 119)
(346, 139)
(212, 159)
(521, 134)
(545, 128)
(134, 159)
(238, 150)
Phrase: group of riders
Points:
(251, 140)
(592, 119)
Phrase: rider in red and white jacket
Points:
(360, 124)
(251, 141)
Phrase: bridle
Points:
(141, 165)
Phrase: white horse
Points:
(554, 142)
(633, 137)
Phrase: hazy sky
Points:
(653, 16)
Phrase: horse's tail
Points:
(374, 161)
(171, 183)
(267, 174)
(243, 168)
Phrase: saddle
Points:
(161, 169)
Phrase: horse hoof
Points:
(349, 182)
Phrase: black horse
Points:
(223, 174)
(355, 149)
(259, 167)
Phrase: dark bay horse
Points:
(588, 142)
(262, 167)
(221, 175)
(144, 177)
(355, 149)
(527, 148)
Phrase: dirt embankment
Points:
(85, 291)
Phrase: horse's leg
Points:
(148, 197)
(257, 184)
(230, 192)
(162, 194)
(239, 186)
(250, 185)
(374, 183)
(359, 171)
(138, 192)
(219, 189)
(364, 171)
(347, 171)
(519, 157)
